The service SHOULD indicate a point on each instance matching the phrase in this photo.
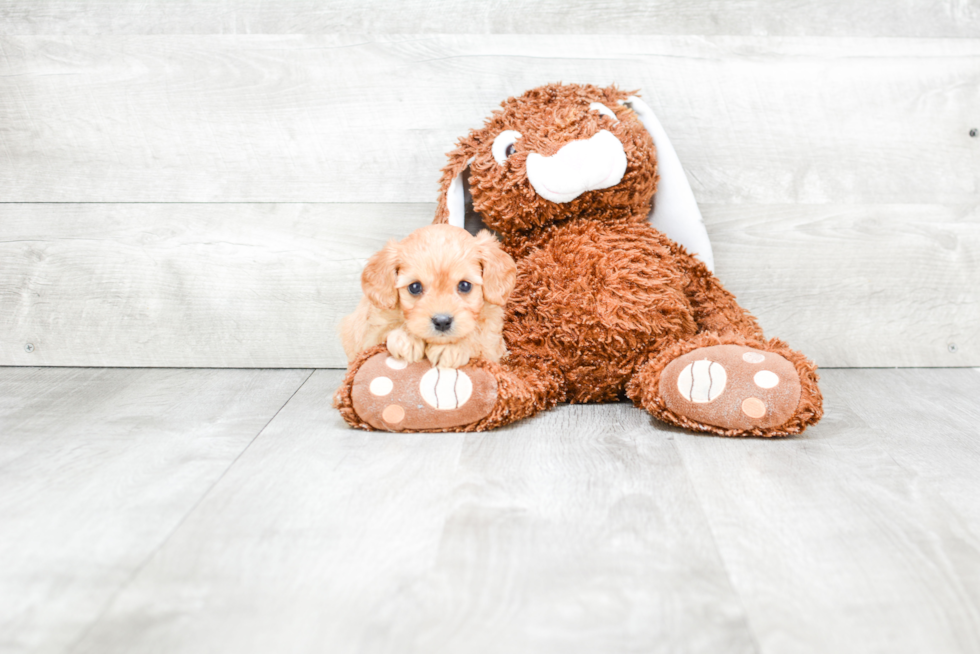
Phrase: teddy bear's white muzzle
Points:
(587, 165)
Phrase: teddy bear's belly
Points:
(596, 301)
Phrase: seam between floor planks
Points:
(434, 518)
(149, 557)
(98, 465)
(715, 543)
(852, 414)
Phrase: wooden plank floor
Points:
(171, 510)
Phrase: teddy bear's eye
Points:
(503, 145)
(604, 110)
(415, 288)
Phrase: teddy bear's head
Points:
(555, 152)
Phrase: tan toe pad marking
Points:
(393, 414)
(753, 407)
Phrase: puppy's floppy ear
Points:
(378, 277)
(499, 270)
(452, 195)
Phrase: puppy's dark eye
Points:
(464, 286)
(415, 288)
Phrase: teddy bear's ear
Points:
(452, 194)
(675, 211)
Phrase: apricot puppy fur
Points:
(439, 294)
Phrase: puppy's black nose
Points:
(442, 322)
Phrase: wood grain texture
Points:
(239, 285)
(577, 532)
(857, 286)
(864, 534)
(200, 285)
(780, 18)
(97, 469)
(588, 529)
(369, 118)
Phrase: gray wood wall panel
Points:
(180, 200)
(266, 284)
(884, 285)
(942, 18)
(368, 119)
(186, 285)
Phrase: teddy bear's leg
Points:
(730, 385)
(381, 392)
(714, 309)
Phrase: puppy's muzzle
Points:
(442, 322)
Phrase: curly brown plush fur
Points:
(549, 117)
(603, 301)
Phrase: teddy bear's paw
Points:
(393, 395)
(732, 387)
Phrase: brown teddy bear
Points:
(605, 305)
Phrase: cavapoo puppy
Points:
(439, 294)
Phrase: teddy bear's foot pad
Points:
(732, 387)
(392, 395)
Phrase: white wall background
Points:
(198, 183)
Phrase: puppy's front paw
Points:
(406, 347)
(447, 356)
